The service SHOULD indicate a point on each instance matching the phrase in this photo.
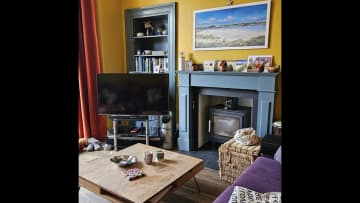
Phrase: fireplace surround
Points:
(260, 87)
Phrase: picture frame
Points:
(241, 65)
(242, 26)
(255, 61)
(210, 65)
(238, 65)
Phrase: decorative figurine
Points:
(194, 67)
(148, 26)
(273, 69)
(223, 66)
(259, 66)
(229, 2)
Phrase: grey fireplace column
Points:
(263, 83)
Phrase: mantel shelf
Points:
(227, 73)
(233, 80)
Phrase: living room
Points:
(112, 57)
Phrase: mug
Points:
(160, 155)
(148, 157)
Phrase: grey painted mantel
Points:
(263, 83)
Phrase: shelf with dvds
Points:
(151, 64)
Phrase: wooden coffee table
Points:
(98, 174)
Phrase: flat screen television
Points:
(131, 94)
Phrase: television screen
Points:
(132, 94)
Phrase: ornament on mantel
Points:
(229, 2)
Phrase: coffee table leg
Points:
(147, 131)
(197, 186)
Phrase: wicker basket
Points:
(234, 158)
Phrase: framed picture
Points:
(242, 26)
(237, 65)
(259, 63)
(210, 65)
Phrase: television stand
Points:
(116, 118)
(136, 130)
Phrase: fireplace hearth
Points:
(259, 87)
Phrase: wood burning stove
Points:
(223, 123)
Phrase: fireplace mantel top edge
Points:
(264, 82)
(228, 73)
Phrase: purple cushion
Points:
(264, 175)
(277, 155)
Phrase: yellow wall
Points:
(112, 37)
(110, 32)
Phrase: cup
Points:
(148, 157)
(160, 155)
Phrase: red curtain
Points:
(89, 123)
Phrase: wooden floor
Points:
(208, 179)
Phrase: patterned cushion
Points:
(245, 195)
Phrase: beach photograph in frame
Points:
(242, 26)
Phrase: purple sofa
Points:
(264, 175)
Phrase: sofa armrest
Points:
(225, 196)
(264, 175)
(277, 155)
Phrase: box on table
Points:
(234, 158)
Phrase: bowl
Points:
(147, 52)
(117, 159)
(140, 34)
(129, 161)
(124, 160)
(273, 69)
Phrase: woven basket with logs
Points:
(234, 158)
